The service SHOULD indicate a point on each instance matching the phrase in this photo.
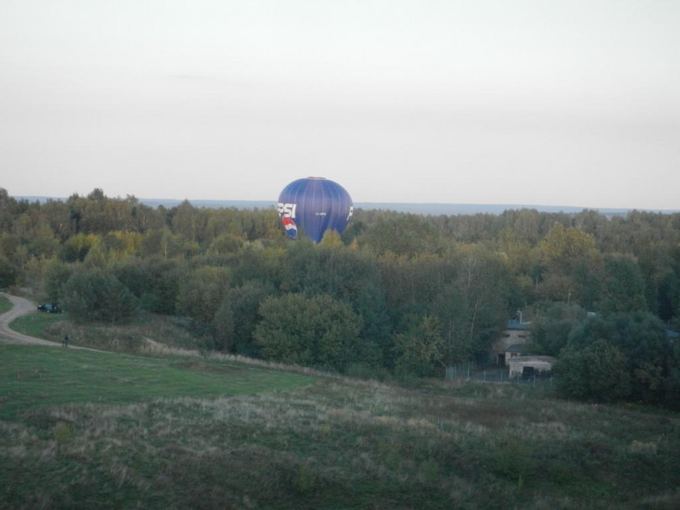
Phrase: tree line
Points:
(396, 293)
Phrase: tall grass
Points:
(339, 443)
(129, 337)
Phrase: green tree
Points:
(244, 302)
(155, 281)
(474, 306)
(162, 242)
(225, 244)
(97, 295)
(256, 263)
(597, 372)
(234, 322)
(224, 325)
(314, 331)
(56, 276)
(76, 248)
(672, 382)
(9, 244)
(623, 289)
(402, 234)
(189, 222)
(43, 242)
(201, 292)
(420, 350)
(642, 340)
(8, 273)
(346, 275)
(8, 206)
(551, 328)
(571, 266)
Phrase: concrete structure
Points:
(530, 365)
(516, 333)
(514, 351)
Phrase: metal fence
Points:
(473, 372)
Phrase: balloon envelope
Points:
(316, 205)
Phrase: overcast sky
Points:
(520, 102)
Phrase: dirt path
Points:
(20, 306)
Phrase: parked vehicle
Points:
(49, 308)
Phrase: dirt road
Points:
(20, 307)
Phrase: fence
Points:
(473, 372)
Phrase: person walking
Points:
(65, 340)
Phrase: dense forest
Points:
(395, 294)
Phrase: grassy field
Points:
(31, 378)
(5, 304)
(121, 338)
(35, 324)
(88, 430)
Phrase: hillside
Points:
(135, 336)
(87, 429)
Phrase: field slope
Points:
(92, 430)
(35, 377)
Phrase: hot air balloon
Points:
(315, 205)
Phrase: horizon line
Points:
(497, 207)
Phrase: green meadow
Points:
(33, 378)
(81, 429)
(35, 324)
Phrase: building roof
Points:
(517, 348)
(514, 324)
(528, 359)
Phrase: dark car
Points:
(49, 308)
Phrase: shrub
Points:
(420, 350)
(597, 372)
(201, 292)
(153, 281)
(317, 331)
(640, 337)
(550, 331)
(243, 303)
(8, 273)
(56, 276)
(96, 295)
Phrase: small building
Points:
(514, 351)
(527, 366)
(516, 333)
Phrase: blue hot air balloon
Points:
(315, 205)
